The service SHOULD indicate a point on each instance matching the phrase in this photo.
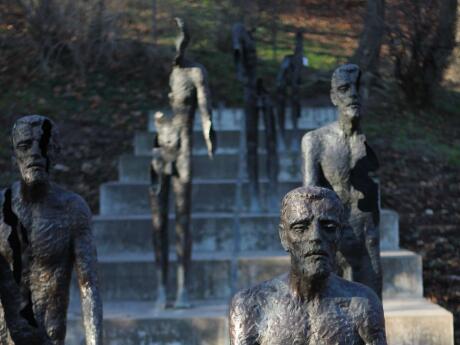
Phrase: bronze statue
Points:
(172, 163)
(290, 77)
(245, 58)
(309, 304)
(44, 231)
(265, 107)
(338, 157)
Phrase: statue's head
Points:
(182, 41)
(345, 90)
(312, 219)
(36, 146)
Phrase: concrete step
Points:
(212, 232)
(228, 119)
(132, 276)
(407, 321)
(227, 141)
(222, 166)
(118, 198)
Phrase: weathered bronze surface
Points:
(309, 304)
(337, 156)
(44, 232)
(256, 99)
(172, 164)
(288, 84)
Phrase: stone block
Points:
(225, 119)
(407, 321)
(223, 166)
(117, 198)
(213, 274)
(211, 232)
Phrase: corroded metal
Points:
(44, 232)
(172, 164)
(310, 304)
(256, 100)
(337, 156)
(288, 82)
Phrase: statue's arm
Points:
(20, 330)
(281, 76)
(372, 327)
(86, 268)
(310, 166)
(204, 103)
(243, 321)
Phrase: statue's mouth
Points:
(354, 105)
(36, 166)
(317, 253)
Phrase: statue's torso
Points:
(345, 163)
(272, 315)
(45, 233)
(329, 323)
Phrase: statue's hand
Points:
(211, 143)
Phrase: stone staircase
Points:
(232, 249)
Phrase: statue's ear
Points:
(282, 234)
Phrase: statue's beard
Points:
(353, 112)
(314, 269)
(35, 186)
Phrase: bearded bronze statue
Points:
(45, 231)
(310, 304)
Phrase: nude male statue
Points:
(289, 78)
(338, 157)
(256, 100)
(310, 304)
(172, 163)
(44, 232)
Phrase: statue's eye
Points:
(298, 227)
(329, 226)
(343, 88)
(23, 145)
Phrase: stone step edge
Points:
(409, 307)
(224, 256)
(205, 215)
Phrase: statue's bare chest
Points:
(330, 323)
(45, 233)
(339, 156)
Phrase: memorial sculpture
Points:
(310, 304)
(265, 107)
(172, 164)
(337, 156)
(44, 232)
(20, 331)
(245, 58)
(289, 79)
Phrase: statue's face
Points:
(345, 91)
(309, 231)
(30, 149)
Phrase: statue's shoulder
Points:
(321, 132)
(73, 202)
(362, 298)
(257, 296)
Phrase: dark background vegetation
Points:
(97, 66)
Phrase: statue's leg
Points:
(159, 201)
(295, 116)
(272, 157)
(182, 186)
(361, 255)
(281, 114)
(252, 138)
